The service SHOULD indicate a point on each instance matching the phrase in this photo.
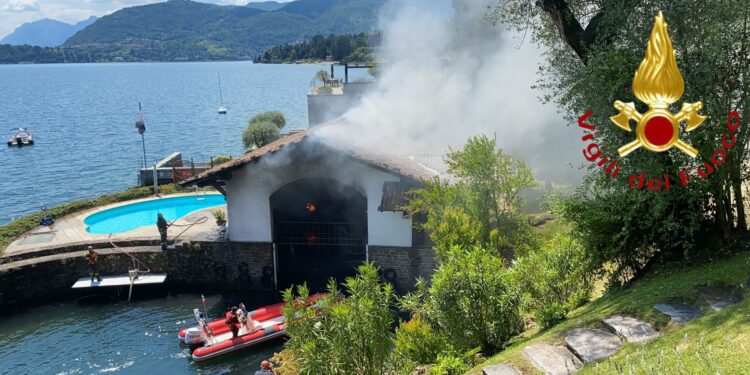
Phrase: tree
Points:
(591, 67)
(276, 117)
(263, 129)
(482, 207)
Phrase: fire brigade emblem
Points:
(658, 83)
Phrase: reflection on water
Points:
(100, 335)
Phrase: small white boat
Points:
(20, 137)
(222, 109)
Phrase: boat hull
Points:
(245, 341)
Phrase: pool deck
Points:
(71, 230)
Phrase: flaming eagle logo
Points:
(658, 83)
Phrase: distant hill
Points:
(266, 5)
(179, 30)
(45, 32)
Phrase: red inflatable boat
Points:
(193, 336)
(215, 338)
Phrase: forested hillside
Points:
(179, 30)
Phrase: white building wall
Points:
(250, 189)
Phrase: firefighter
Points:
(233, 321)
(162, 224)
(93, 259)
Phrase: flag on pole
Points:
(139, 123)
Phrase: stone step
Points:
(719, 297)
(632, 329)
(501, 369)
(552, 360)
(592, 344)
(679, 312)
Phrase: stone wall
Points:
(47, 279)
(408, 263)
(229, 265)
(202, 265)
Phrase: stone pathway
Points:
(680, 312)
(632, 329)
(552, 360)
(592, 344)
(719, 297)
(502, 369)
(586, 345)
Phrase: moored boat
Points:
(213, 339)
(20, 137)
(192, 336)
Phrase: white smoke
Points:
(449, 74)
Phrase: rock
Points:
(502, 369)
(592, 344)
(552, 360)
(719, 297)
(680, 312)
(632, 329)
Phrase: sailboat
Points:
(222, 109)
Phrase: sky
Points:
(13, 13)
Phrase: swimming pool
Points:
(136, 215)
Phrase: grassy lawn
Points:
(718, 342)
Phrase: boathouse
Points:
(306, 210)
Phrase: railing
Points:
(173, 168)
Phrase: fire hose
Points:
(136, 262)
(132, 274)
(199, 221)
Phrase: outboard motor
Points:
(194, 336)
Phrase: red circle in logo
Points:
(658, 130)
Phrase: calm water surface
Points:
(102, 336)
(83, 120)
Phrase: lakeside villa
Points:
(320, 209)
(300, 209)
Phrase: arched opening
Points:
(320, 231)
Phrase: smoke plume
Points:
(447, 74)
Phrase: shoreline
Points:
(169, 62)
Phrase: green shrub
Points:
(259, 134)
(449, 365)
(416, 343)
(275, 117)
(472, 300)
(554, 279)
(221, 159)
(351, 336)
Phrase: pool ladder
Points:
(198, 192)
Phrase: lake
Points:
(83, 120)
(102, 335)
(86, 144)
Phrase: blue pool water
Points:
(132, 216)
